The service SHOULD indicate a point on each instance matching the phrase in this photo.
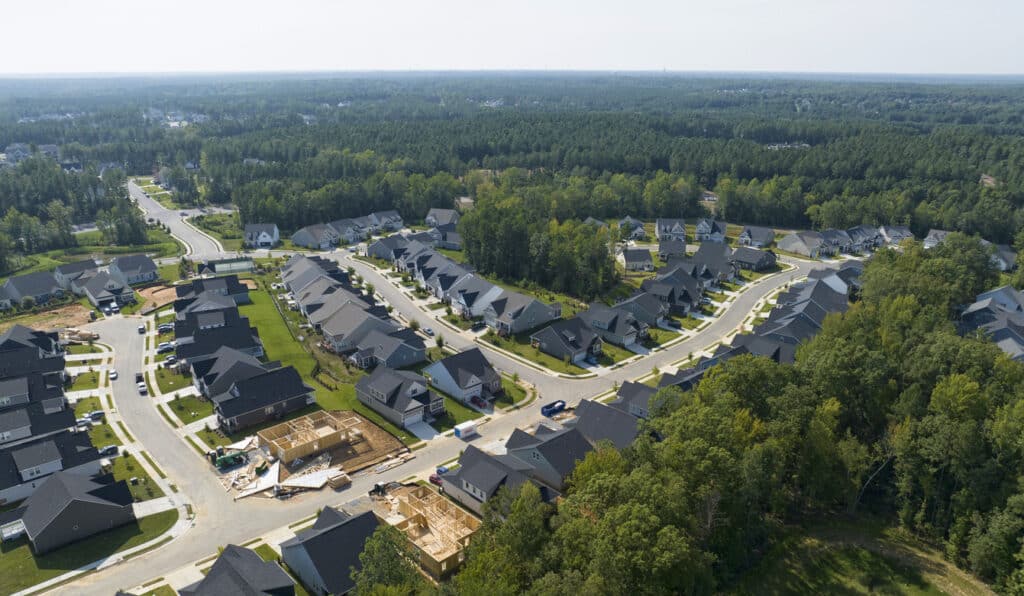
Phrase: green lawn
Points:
(520, 344)
(190, 408)
(169, 381)
(657, 337)
(459, 322)
(86, 380)
(19, 569)
(753, 275)
(806, 565)
(101, 434)
(281, 345)
(212, 438)
(78, 349)
(169, 272)
(687, 322)
(456, 255)
(455, 413)
(610, 354)
(512, 395)
(125, 467)
(163, 590)
(266, 552)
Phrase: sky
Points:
(843, 36)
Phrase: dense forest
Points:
(887, 412)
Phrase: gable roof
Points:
(34, 284)
(240, 572)
(334, 544)
(563, 449)
(633, 393)
(135, 264)
(609, 318)
(258, 228)
(61, 489)
(403, 390)
(78, 267)
(637, 255)
(759, 234)
(467, 365)
(746, 254)
(567, 336)
(713, 225)
(74, 449)
(599, 422)
(443, 216)
(260, 391)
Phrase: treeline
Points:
(887, 411)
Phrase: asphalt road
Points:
(220, 520)
(196, 243)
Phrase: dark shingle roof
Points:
(34, 284)
(135, 264)
(468, 364)
(260, 391)
(599, 422)
(334, 544)
(241, 572)
(61, 489)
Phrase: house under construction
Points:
(311, 434)
(439, 528)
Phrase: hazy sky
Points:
(902, 36)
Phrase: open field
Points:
(222, 226)
(189, 408)
(71, 315)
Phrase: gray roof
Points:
(34, 284)
(566, 337)
(61, 489)
(135, 264)
(104, 286)
(258, 228)
(632, 393)
(402, 390)
(257, 392)
(564, 449)
(759, 234)
(443, 216)
(349, 317)
(489, 472)
(385, 345)
(599, 422)
(35, 454)
(241, 572)
(637, 255)
(468, 364)
(608, 318)
(745, 254)
(715, 225)
(334, 544)
(470, 287)
(78, 267)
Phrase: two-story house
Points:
(401, 397)
(262, 235)
(511, 313)
(616, 326)
(264, 397)
(710, 230)
(465, 375)
(134, 269)
(670, 229)
(316, 237)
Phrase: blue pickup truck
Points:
(552, 408)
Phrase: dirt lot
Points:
(156, 296)
(250, 283)
(71, 315)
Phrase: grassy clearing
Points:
(225, 227)
(520, 345)
(611, 354)
(101, 434)
(19, 569)
(657, 337)
(170, 381)
(512, 394)
(266, 552)
(854, 558)
(748, 275)
(212, 438)
(456, 255)
(79, 349)
(455, 413)
(163, 590)
(86, 381)
(189, 408)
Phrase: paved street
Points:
(219, 520)
(196, 243)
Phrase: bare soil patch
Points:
(156, 296)
(71, 315)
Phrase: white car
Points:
(142, 388)
(113, 375)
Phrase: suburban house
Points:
(336, 301)
(397, 349)
(5, 300)
(839, 240)
(215, 375)
(716, 257)
(302, 270)
(935, 238)
(388, 249)
(597, 223)
(387, 220)
(710, 230)
(480, 475)
(446, 236)
(631, 229)
(552, 454)
(864, 238)
(135, 269)
(894, 235)
(511, 313)
(268, 396)
(349, 325)
(999, 315)
(348, 230)
(670, 229)
(471, 295)
(262, 235)
(233, 332)
(105, 289)
(402, 397)
(31, 409)
(324, 555)
(599, 423)
(440, 217)
(753, 259)
(636, 259)
(614, 325)
(646, 308)
(671, 249)
(227, 285)
(202, 303)
(676, 287)
(24, 351)
(756, 237)
(65, 274)
(569, 340)
(316, 236)
(807, 244)
(24, 466)
(465, 375)
(634, 399)
(1004, 257)
(40, 286)
(241, 571)
(69, 507)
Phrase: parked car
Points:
(435, 479)
(97, 415)
(170, 361)
(165, 328)
(552, 408)
(139, 378)
(442, 470)
(109, 451)
(478, 326)
(705, 300)
(113, 375)
(674, 324)
(142, 329)
(115, 308)
(478, 401)
(84, 422)
(142, 388)
(428, 331)
(106, 310)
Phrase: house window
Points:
(268, 411)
